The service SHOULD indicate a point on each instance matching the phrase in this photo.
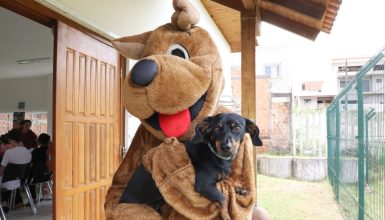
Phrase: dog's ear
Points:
(253, 130)
(202, 131)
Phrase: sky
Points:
(358, 31)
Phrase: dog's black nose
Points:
(226, 146)
(143, 72)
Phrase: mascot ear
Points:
(253, 130)
(185, 15)
(202, 131)
(132, 46)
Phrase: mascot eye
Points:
(178, 50)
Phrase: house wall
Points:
(275, 55)
(33, 91)
(36, 92)
(281, 133)
(263, 103)
(263, 116)
(308, 102)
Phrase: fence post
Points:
(294, 129)
(368, 116)
(361, 161)
(337, 152)
(319, 135)
(329, 136)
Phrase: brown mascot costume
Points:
(176, 82)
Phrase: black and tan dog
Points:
(211, 150)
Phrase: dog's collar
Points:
(219, 156)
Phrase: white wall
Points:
(36, 92)
(271, 55)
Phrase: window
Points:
(378, 67)
(343, 83)
(273, 70)
(378, 80)
(39, 121)
(365, 85)
(307, 101)
(349, 102)
(348, 68)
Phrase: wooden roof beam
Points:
(234, 4)
(306, 7)
(249, 4)
(289, 25)
(336, 4)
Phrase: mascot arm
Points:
(174, 175)
(141, 143)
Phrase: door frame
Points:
(49, 18)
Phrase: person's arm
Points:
(4, 162)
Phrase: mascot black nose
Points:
(143, 72)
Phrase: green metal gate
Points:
(356, 143)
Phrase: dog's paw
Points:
(241, 190)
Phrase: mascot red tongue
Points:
(175, 125)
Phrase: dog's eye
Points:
(216, 129)
(178, 50)
(237, 129)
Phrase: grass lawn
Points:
(289, 199)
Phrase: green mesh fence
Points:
(356, 143)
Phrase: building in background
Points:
(372, 85)
(274, 96)
(312, 95)
(293, 91)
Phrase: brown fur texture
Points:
(185, 15)
(178, 84)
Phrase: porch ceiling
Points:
(306, 18)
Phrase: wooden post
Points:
(248, 28)
(248, 92)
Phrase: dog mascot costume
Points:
(176, 82)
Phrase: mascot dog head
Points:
(178, 78)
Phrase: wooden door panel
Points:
(87, 124)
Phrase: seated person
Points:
(39, 169)
(28, 136)
(4, 145)
(17, 155)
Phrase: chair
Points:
(39, 176)
(18, 172)
(2, 217)
(39, 182)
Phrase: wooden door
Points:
(87, 123)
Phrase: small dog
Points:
(211, 151)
